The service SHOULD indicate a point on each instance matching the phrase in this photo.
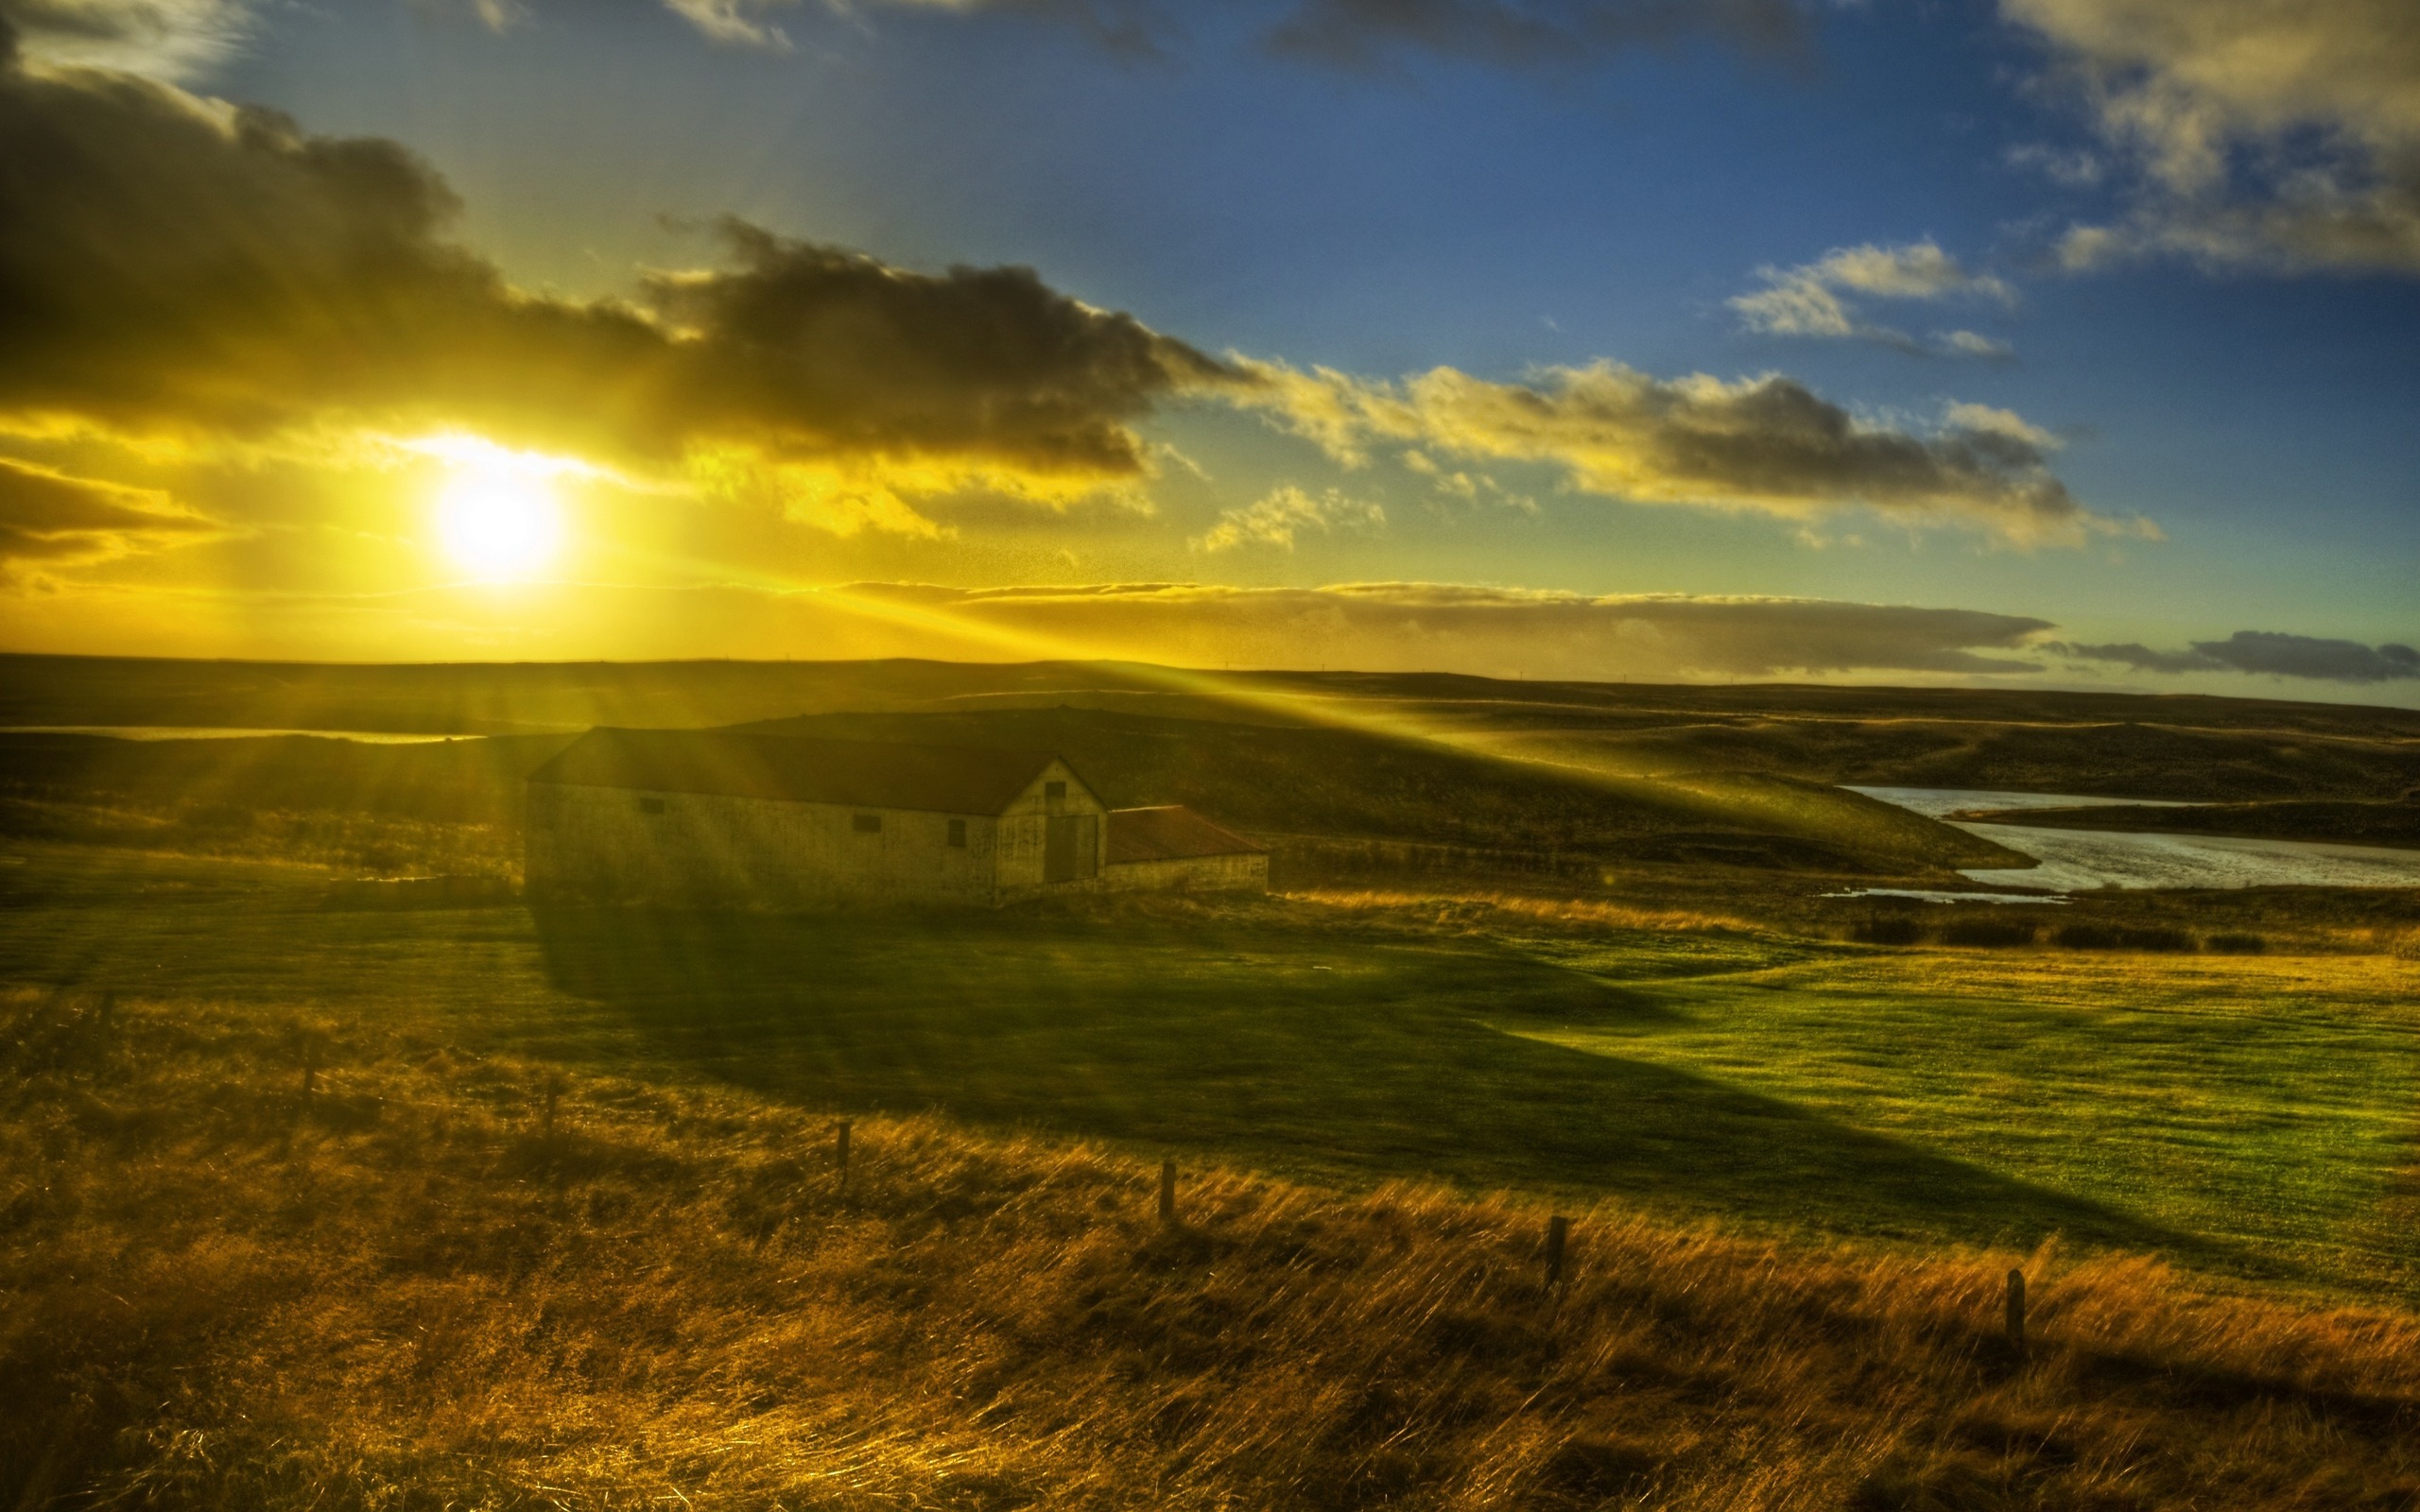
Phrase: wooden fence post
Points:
(1167, 1192)
(2016, 1311)
(840, 1152)
(554, 1095)
(1558, 1234)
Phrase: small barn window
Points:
(867, 823)
(958, 834)
(651, 805)
(1054, 791)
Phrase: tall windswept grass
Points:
(400, 1290)
(1481, 910)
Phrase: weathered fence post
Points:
(310, 1075)
(554, 1095)
(1167, 1192)
(2016, 1311)
(1558, 1234)
(840, 1152)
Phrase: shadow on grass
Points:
(1304, 1051)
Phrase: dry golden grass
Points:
(411, 1293)
(1479, 911)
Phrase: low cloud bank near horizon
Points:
(1442, 626)
(1376, 626)
(2262, 653)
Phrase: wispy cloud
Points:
(1821, 299)
(158, 38)
(1285, 513)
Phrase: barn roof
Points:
(794, 768)
(1173, 833)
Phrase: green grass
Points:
(2270, 1108)
(2244, 1115)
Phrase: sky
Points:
(2060, 343)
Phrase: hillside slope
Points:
(1302, 780)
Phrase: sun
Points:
(499, 521)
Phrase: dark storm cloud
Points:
(1412, 626)
(50, 516)
(1357, 33)
(173, 266)
(2267, 652)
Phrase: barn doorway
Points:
(1071, 848)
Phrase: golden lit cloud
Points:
(1767, 444)
(179, 273)
(1284, 513)
(49, 516)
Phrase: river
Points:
(2080, 860)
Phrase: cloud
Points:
(1287, 512)
(2264, 652)
(1357, 34)
(174, 268)
(1361, 33)
(1974, 344)
(1807, 300)
(1433, 627)
(1764, 445)
(163, 39)
(49, 516)
(2285, 135)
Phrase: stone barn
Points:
(779, 820)
(1172, 848)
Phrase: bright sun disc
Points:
(500, 523)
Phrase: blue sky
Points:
(2225, 397)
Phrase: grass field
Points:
(556, 1222)
(2251, 1116)
(311, 1204)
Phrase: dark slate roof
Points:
(1174, 833)
(790, 768)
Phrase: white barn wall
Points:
(1022, 831)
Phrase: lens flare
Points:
(500, 523)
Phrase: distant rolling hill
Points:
(1567, 771)
(1349, 784)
